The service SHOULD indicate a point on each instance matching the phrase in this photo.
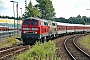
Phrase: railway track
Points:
(73, 50)
(8, 52)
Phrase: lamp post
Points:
(21, 12)
(14, 15)
(21, 19)
(17, 18)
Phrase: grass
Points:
(85, 41)
(9, 42)
(43, 51)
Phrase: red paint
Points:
(41, 29)
(61, 27)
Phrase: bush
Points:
(12, 41)
(9, 42)
(39, 50)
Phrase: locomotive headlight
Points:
(24, 32)
(35, 32)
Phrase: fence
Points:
(7, 34)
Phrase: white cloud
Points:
(0, 4)
(6, 4)
(6, 8)
(63, 8)
(68, 8)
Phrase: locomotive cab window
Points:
(34, 22)
(53, 24)
(26, 22)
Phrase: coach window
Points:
(59, 27)
(34, 22)
(0, 24)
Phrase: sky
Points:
(63, 8)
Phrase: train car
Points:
(3, 31)
(10, 23)
(7, 27)
(53, 28)
(75, 28)
(70, 28)
(61, 28)
(4, 28)
(79, 28)
(86, 28)
(34, 29)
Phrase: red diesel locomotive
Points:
(34, 29)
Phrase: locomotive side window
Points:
(34, 22)
(53, 24)
(26, 22)
(41, 23)
(45, 23)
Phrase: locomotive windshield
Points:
(26, 22)
(34, 22)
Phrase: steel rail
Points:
(80, 50)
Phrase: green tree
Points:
(85, 19)
(31, 11)
(61, 19)
(71, 20)
(80, 20)
(46, 8)
(88, 20)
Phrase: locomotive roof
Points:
(74, 24)
(87, 25)
(37, 19)
(51, 21)
(59, 23)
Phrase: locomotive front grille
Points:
(30, 36)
